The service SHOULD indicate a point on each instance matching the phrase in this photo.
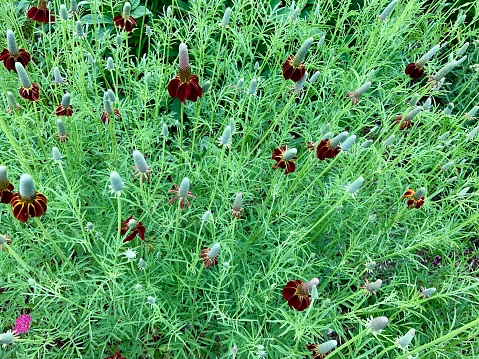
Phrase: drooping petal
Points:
(183, 91)
(173, 86)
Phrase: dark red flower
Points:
(106, 117)
(61, 111)
(125, 22)
(117, 355)
(32, 93)
(24, 207)
(285, 158)
(291, 72)
(210, 255)
(315, 351)
(182, 193)
(185, 85)
(9, 59)
(134, 227)
(413, 71)
(414, 199)
(324, 149)
(402, 122)
(6, 189)
(40, 13)
(297, 293)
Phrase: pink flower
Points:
(22, 324)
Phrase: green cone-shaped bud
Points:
(27, 187)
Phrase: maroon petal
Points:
(183, 91)
(173, 86)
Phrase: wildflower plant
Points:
(203, 89)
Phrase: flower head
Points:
(13, 54)
(404, 341)
(427, 292)
(27, 202)
(297, 293)
(185, 85)
(237, 208)
(116, 183)
(225, 139)
(13, 105)
(415, 70)
(62, 135)
(141, 167)
(40, 13)
(6, 187)
(130, 254)
(328, 148)
(64, 108)
(132, 227)
(210, 255)
(125, 20)
(377, 324)
(183, 192)
(7, 338)
(284, 158)
(320, 351)
(355, 95)
(28, 90)
(415, 198)
(22, 324)
(373, 287)
(293, 67)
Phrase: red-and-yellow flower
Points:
(134, 227)
(185, 85)
(125, 20)
(293, 68)
(325, 149)
(415, 198)
(414, 71)
(40, 13)
(28, 90)
(210, 255)
(285, 158)
(27, 202)
(297, 293)
(13, 54)
(6, 187)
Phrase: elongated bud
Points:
(427, 56)
(473, 112)
(473, 133)
(354, 186)
(213, 252)
(225, 139)
(321, 41)
(206, 86)
(256, 66)
(111, 95)
(325, 128)
(410, 115)
(238, 202)
(253, 85)
(79, 29)
(301, 54)
(336, 141)
(314, 292)
(3, 174)
(57, 76)
(66, 100)
(56, 152)
(377, 324)
(367, 144)
(289, 154)
(106, 104)
(389, 141)
(140, 161)
(184, 187)
(449, 108)
(462, 50)
(148, 31)
(358, 92)
(452, 179)
(169, 11)
(308, 286)
(383, 16)
(298, 86)
(116, 184)
(326, 347)
(184, 61)
(118, 40)
(327, 135)
(12, 43)
(12, 101)
(348, 143)
(461, 60)
(110, 65)
(444, 136)
(148, 77)
(233, 126)
(6, 338)
(22, 75)
(239, 84)
(414, 99)
(126, 10)
(73, 5)
(63, 12)
(90, 58)
(419, 193)
(374, 286)
(430, 291)
(445, 70)
(27, 187)
(446, 166)
(314, 78)
(295, 13)
(206, 216)
(61, 127)
(427, 104)
(164, 130)
(406, 339)
(226, 17)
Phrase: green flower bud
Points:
(367, 144)
(298, 86)
(3, 174)
(314, 78)
(472, 113)
(12, 43)
(225, 139)
(206, 86)
(414, 99)
(213, 252)
(422, 61)
(445, 70)
(61, 127)
(27, 187)
(326, 347)
(419, 193)
(164, 130)
(148, 31)
(111, 95)
(449, 108)
(79, 29)
(58, 79)
(383, 16)
(23, 76)
(389, 141)
(348, 143)
(126, 10)
(116, 184)
(63, 12)
(377, 324)
(301, 54)
(73, 5)
(354, 186)
(57, 157)
(118, 40)
(184, 187)
(336, 141)
(140, 162)
(206, 216)
(110, 65)
(66, 100)
(462, 50)
(226, 17)
(406, 339)
(253, 85)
